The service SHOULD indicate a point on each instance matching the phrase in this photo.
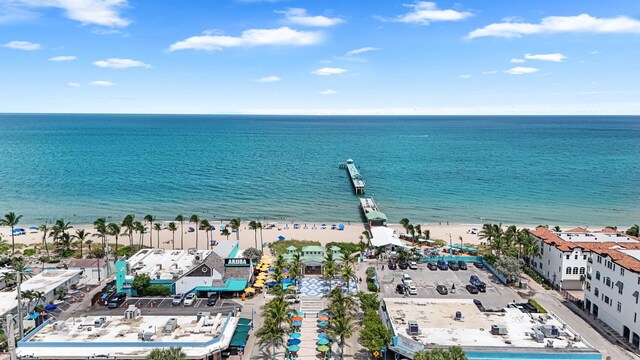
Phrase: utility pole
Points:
(20, 316)
(11, 338)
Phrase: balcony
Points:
(590, 260)
(588, 276)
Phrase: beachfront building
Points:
(423, 324)
(372, 212)
(385, 238)
(312, 257)
(612, 290)
(564, 255)
(220, 270)
(132, 336)
(92, 270)
(49, 282)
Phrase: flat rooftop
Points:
(596, 237)
(436, 320)
(46, 281)
(80, 338)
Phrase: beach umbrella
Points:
(190, 229)
(295, 341)
(341, 227)
(322, 324)
(213, 227)
(323, 318)
(50, 307)
(323, 341)
(249, 290)
(295, 335)
(271, 283)
(323, 336)
(222, 227)
(297, 323)
(323, 348)
(297, 318)
(258, 285)
(33, 228)
(294, 348)
(285, 270)
(323, 313)
(280, 238)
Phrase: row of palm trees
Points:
(510, 241)
(414, 229)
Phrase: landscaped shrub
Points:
(537, 306)
(157, 290)
(371, 286)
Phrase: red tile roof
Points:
(578, 230)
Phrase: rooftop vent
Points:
(171, 325)
(132, 313)
(413, 328)
(499, 330)
(99, 321)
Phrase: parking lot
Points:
(163, 306)
(425, 280)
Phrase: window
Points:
(584, 257)
(606, 299)
(608, 281)
(622, 271)
(568, 256)
(619, 306)
(620, 290)
(568, 270)
(575, 271)
(596, 292)
(638, 280)
(635, 317)
(597, 275)
(575, 256)
(541, 251)
(588, 286)
(599, 259)
(582, 270)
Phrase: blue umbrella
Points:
(50, 307)
(222, 227)
(294, 335)
(190, 229)
(271, 283)
(323, 336)
(297, 323)
(295, 341)
(285, 270)
(323, 341)
(341, 227)
(322, 324)
(33, 228)
(18, 230)
(294, 348)
(280, 238)
(213, 227)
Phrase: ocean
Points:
(462, 169)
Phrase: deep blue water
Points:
(555, 170)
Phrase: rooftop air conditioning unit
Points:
(171, 325)
(58, 326)
(499, 330)
(198, 257)
(99, 321)
(413, 328)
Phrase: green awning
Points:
(236, 285)
(241, 335)
(376, 215)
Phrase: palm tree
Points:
(150, 219)
(418, 230)
(38, 296)
(138, 227)
(411, 231)
(225, 232)
(100, 225)
(348, 273)
(427, 234)
(128, 223)
(81, 235)
(60, 235)
(172, 353)
(20, 269)
(296, 266)
(196, 220)
(404, 222)
(114, 229)
(45, 231)
(633, 231)
(157, 227)
(341, 327)
(259, 224)
(173, 228)
(253, 225)
(557, 228)
(235, 224)
(88, 242)
(271, 333)
(329, 267)
(207, 230)
(180, 218)
(11, 220)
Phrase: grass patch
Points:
(280, 247)
(537, 306)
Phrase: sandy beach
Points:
(313, 231)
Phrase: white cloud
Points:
(328, 92)
(22, 45)
(425, 12)
(518, 61)
(117, 63)
(556, 57)
(329, 71)
(583, 23)
(101, 83)
(489, 72)
(464, 76)
(595, 52)
(97, 12)
(521, 70)
(361, 50)
(73, 85)
(63, 58)
(269, 79)
(299, 16)
(251, 37)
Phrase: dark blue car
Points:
(442, 265)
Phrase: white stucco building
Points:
(92, 270)
(564, 255)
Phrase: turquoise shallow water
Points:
(556, 170)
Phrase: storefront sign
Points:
(237, 262)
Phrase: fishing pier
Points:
(372, 212)
(354, 174)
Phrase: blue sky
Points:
(320, 57)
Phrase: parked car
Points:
(116, 300)
(292, 299)
(401, 288)
(432, 266)
(442, 265)
(212, 299)
(453, 265)
(442, 290)
(413, 265)
(462, 265)
(478, 264)
(392, 265)
(189, 299)
(403, 265)
(406, 279)
(177, 299)
(475, 281)
(413, 290)
(472, 289)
